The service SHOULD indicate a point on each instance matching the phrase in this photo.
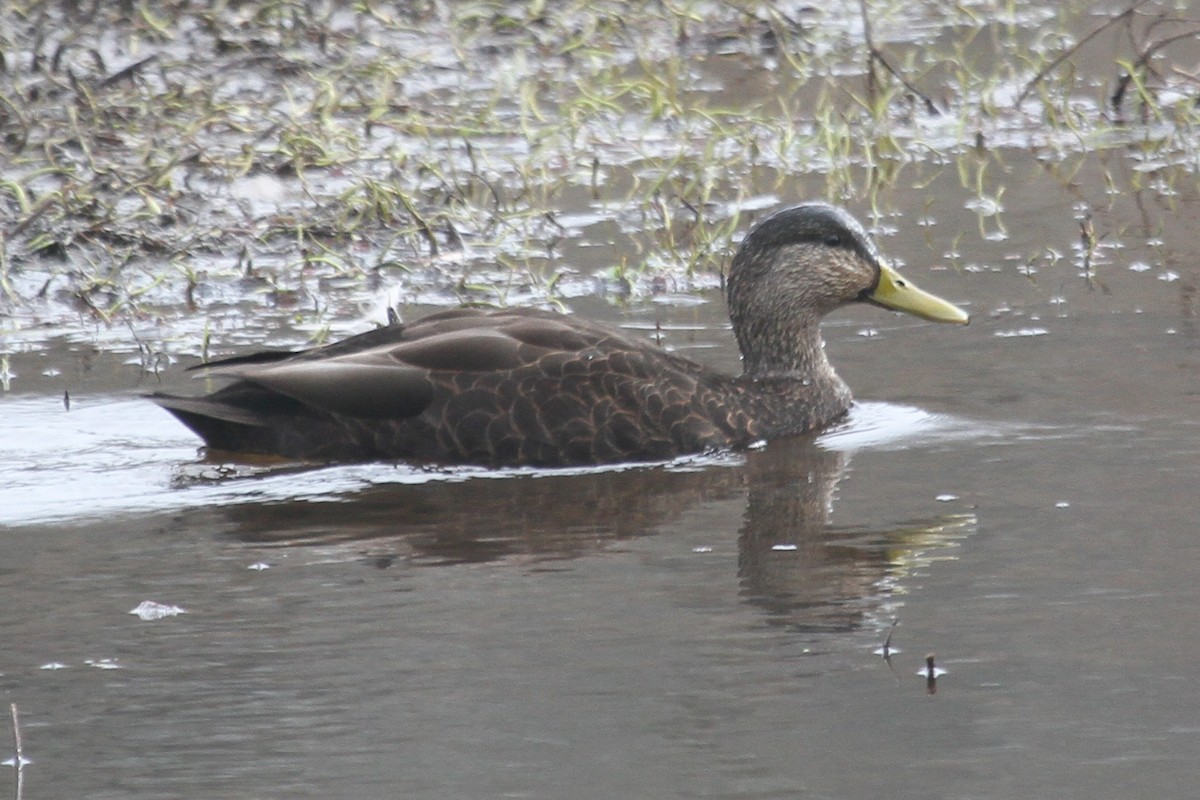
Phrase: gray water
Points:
(1023, 503)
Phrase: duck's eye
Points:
(833, 240)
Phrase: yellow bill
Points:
(900, 294)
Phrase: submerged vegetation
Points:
(165, 166)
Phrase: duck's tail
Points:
(222, 425)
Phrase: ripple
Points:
(893, 426)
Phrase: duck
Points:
(530, 387)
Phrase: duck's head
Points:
(797, 265)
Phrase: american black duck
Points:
(523, 386)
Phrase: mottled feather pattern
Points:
(612, 400)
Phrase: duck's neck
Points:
(791, 366)
(796, 351)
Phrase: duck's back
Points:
(494, 387)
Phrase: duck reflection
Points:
(807, 572)
(793, 563)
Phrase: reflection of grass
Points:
(400, 135)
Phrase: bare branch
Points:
(1073, 49)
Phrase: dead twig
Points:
(129, 71)
(1073, 49)
(875, 56)
(18, 750)
(1143, 62)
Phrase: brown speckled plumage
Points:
(533, 387)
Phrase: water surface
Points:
(703, 628)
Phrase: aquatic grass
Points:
(400, 136)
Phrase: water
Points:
(1024, 506)
(1020, 494)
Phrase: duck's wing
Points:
(363, 341)
(390, 373)
(485, 387)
